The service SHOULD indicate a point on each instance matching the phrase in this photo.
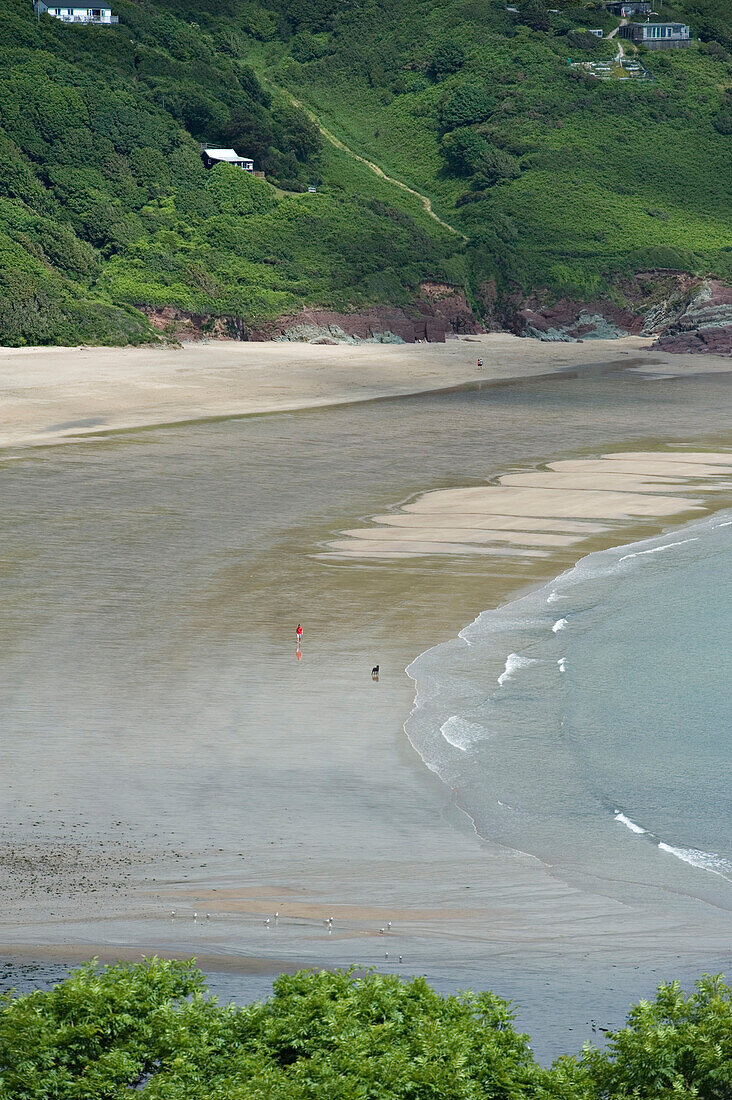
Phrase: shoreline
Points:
(682, 524)
(57, 395)
(354, 827)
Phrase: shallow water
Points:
(590, 722)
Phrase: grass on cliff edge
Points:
(151, 1030)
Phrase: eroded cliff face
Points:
(441, 310)
(685, 312)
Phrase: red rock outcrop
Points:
(440, 310)
(715, 341)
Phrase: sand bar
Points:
(52, 395)
(543, 508)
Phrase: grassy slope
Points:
(608, 177)
(105, 205)
(568, 183)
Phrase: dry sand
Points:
(51, 395)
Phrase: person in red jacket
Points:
(299, 632)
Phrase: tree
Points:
(463, 149)
(468, 103)
(448, 57)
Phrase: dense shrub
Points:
(151, 1030)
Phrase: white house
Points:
(212, 157)
(99, 14)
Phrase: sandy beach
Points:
(164, 750)
(52, 395)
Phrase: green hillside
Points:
(105, 204)
(562, 183)
(561, 180)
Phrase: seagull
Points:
(277, 916)
(195, 916)
(388, 925)
(400, 958)
(172, 914)
(208, 916)
(382, 930)
(267, 921)
(386, 955)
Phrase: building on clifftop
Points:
(624, 8)
(212, 155)
(101, 14)
(657, 36)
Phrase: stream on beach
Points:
(159, 739)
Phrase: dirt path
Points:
(426, 203)
(621, 50)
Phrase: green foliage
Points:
(561, 182)
(105, 205)
(514, 137)
(674, 1047)
(448, 57)
(467, 103)
(151, 1030)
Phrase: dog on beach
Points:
(375, 672)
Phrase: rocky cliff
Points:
(685, 312)
(440, 310)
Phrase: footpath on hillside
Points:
(331, 137)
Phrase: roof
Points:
(65, 5)
(659, 24)
(224, 154)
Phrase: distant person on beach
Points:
(299, 632)
(480, 362)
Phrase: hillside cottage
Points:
(101, 14)
(657, 36)
(624, 8)
(212, 156)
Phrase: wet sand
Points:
(156, 724)
(52, 395)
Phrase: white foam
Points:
(656, 549)
(707, 861)
(628, 823)
(553, 597)
(560, 625)
(460, 733)
(562, 662)
(514, 662)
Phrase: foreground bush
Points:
(151, 1030)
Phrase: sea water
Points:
(588, 722)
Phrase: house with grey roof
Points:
(657, 36)
(100, 13)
